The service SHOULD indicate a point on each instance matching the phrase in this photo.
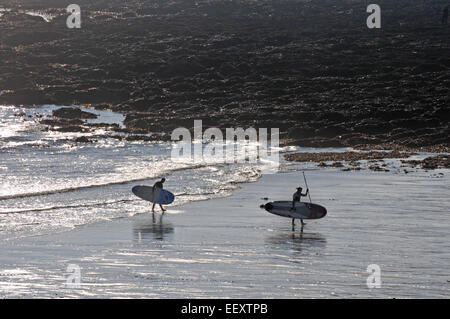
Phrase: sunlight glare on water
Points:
(48, 175)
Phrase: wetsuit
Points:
(158, 185)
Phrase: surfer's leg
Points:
(162, 208)
(303, 223)
(153, 207)
(293, 224)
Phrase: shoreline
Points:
(74, 120)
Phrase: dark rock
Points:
(432, 162)
(61, 122)
(344, 156)
(82, 139)
(377, 168)
(140, 124)
(72, 129)
(73, 113)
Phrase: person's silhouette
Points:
(156, 188)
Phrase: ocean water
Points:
(51, 183)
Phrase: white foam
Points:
(45, 16)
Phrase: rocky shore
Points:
(312, 69)
(432, 162)
(344, 156)
(349, 161)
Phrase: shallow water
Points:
(51, 183)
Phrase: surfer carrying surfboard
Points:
(297, 198)
(155, 194)
(158, 186)
(295, 209)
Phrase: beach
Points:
(99, 97)
(229, 247)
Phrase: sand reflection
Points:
(299, 241)
(152, 228)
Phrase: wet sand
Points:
(229, 247)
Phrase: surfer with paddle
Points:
(296, 210)
(158, 186)
(297, 198)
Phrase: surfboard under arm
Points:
(301, 210)
(158, 196)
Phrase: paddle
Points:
(307, 187)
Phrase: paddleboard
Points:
(301, 211)
(160, 196)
